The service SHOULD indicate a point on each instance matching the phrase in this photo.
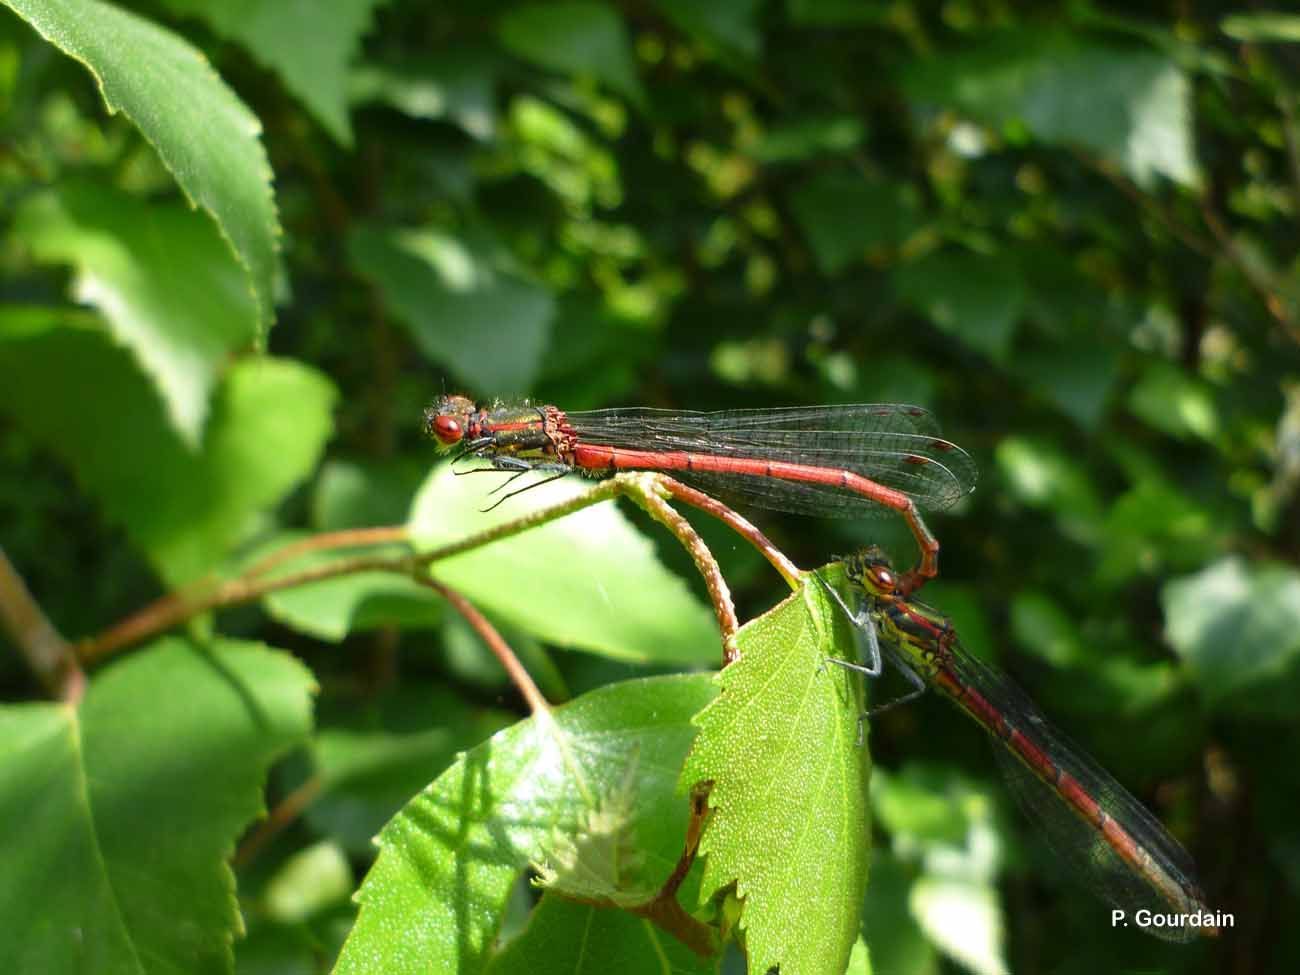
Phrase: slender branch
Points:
(286, 811)
(49, 655)
(346, 538)
(174, 608)
(489, 635)
(719, 594)
(1263, 284)
(741, 526)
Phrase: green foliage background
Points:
(246, 243)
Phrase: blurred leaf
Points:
(977, 299)
(844, 216)
(1044, 630)
(376, 761)
(1040, 473)
(141, 265)
(310, 52)
(588, 580)
(365, 493)
(789, 824)
(1153, 527)
(331, 609)
(1076, 373)
(832, 13)
(896, 940)
(1264, 26)
(130, 805)
(84, 399)
(163, 84)
(310, 880)
(1131, 105)
(964, 919)
(464, 306)
(726, 26)
(1180, 405)
(456, 85)
(574, 38)
(1235, 626)
(434, 899)
(568, 938)
(807, 137)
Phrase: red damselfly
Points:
(846, 461)
(1106, 835)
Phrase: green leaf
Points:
(331, 609)
(789, 824)
(845, 216)
(433, 902)
(1237, 627)
(456, 85)
(464, 306)
(1076, 372)
(574, 38)
(85, 400)
(1180, 405)
(371, 765)
(1130, 105)
(833, 13)
(567, 938)
(974, 298)
(164, 85)
(589, 580)
(309, 881)
(310, 52)
(129, 806)
(1040, 473)
(728, 27)
(808, 137)
(141, 265)
(1265, 26)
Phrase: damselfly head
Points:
(871, 569)
(448, 419)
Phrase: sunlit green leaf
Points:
(309, 51)
(588, 580)
(435, 897)
(455, 85)
(1172, 401)
(808, 137)
(1041, 474)
(86, 401)
(789, 823)
(568, 938)
(142, 265)
(576, 38)
(311, 879)
(465, 307)
(1263, 26)
(163, 85)
(1131, 105)
(130, 804)
(1235, 625)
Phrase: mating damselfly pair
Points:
(852, 461)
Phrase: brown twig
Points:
(174, 608)
(285, 812)
(719, 594)
(489, 635)
(741, 526)
(1262, 283)
(50, 656)
(345, 538)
